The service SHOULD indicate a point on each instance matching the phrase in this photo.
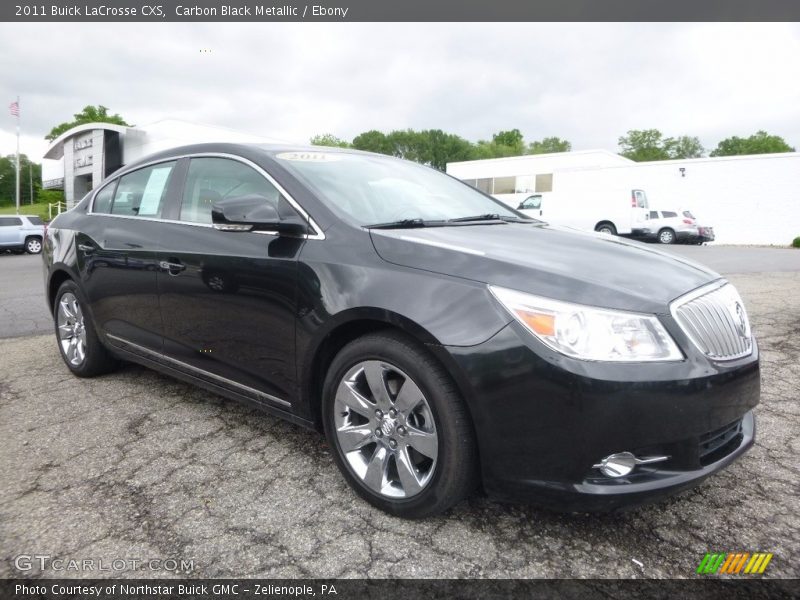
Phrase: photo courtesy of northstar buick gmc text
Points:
(443, 342)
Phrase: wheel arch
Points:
(57, 277)
(599, 224)
(357, 323)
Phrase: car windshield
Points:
(371, 190)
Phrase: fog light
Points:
(622, 463)
(617, 465)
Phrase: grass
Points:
(39, 208)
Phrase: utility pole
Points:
(17, 111)
(30, 178)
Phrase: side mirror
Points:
(254, 213)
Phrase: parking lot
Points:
(136, 465)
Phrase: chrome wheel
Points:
(71, 329)
(385, 429)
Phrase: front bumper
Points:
(544, 420)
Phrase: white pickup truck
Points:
(21, 232)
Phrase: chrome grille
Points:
(715, 320)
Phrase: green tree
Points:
(29, 170)
(511, 139)
(549, 145)
(328, 139)
(650, 144)
(373, 141)
(643, 144)
(759, 143)
(89, 114)
(443, 148)
(684, 147)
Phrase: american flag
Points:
(14, 108)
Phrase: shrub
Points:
(796, 242)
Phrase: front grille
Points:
(715, 320)
(714, 445)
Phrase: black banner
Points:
(345, 589)
(399, 10)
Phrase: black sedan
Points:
(441, 340)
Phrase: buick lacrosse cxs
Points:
(440, 339)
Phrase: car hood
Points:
(555, 262)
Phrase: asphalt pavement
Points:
(135, 466)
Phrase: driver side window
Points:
(213, 179)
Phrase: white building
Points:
(80, 158)
(747, 199)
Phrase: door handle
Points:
(87, 248)
(173, 267)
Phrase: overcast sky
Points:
(588, 83)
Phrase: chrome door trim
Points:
(228, 382)
(319, 235)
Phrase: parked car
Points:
(440, 339)
(671, 227)
(22, 233)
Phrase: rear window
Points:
(35, 221)
(10, 221)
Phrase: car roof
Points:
(240, 149)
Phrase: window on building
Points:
(544, 183)
(525, 184)
(472, 182)
(213, 179)
(504, 185)
(102, 201)
(142, 193)
(485, 185)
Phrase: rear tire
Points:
(606, 228)
(77, 339)
(666, 236)
(33, 245)
(397, 427)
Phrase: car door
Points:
(117, 256)
(10, 228)
(228, 299)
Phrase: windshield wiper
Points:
(485, 217)
(405, 224)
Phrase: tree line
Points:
(436, 148)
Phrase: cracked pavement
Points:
(136, 465)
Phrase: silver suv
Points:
(21, 232)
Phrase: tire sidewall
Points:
(95, 352)
(397, 355)
(671, 238)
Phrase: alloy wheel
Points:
(385, 429)
(71, 329)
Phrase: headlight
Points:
(590, 333)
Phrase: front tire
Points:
(80, 348)
(398, 429)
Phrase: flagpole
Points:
(17, 154)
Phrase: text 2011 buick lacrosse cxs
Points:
(442, 340)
